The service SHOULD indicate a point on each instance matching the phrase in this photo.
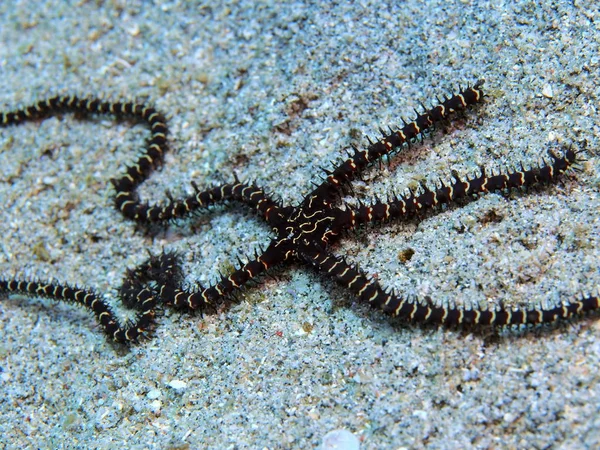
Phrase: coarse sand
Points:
(272, 91)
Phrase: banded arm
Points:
(151, 157)
(248, 194)
(156, 145)
(370, 291)
(140, 291)
(112, 326)
(408, 206)
(348, 170)
(126, 199)
(156, 281)
(208, 297)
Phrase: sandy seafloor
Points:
(272, 92)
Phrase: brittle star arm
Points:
(126, 200)
(156, 146)
(248, 194)
(137, 292)
(208, 297)
(369, 291)
(347, 170)
(409, 206)
(156, 281)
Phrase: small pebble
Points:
(420, 414)
(156, 406)
(153, 394)
(177, 384)
(340, 440)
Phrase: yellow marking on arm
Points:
(399, 307)
(363, 289)
(429, 310)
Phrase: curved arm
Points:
(126, 199)
(148, 160)
(207, 297)
(409, 206)
(120, 332)
(136, 293)
(249, 194)
(347, 170)
(370, 291)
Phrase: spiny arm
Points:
(248, 194)
(370, 291)
(352, 166)
(208, 297)
(112, 326)
(126, 199)
(156, 145)
(408, 206)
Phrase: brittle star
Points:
(303, 234)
